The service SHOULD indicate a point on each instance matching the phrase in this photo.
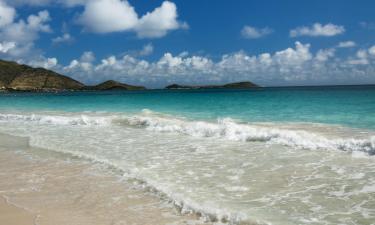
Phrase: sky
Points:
(155, 43)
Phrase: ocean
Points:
(292, 155)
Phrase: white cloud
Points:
(147, 50)
(158, 22)
(48, 63)
(24, 33)
(294, 65)
(88, 57)
(7, 14)
(17, 38)
(360, 59)
(346, 44)
(37, 22)
(104, 16)
(318, 29)
(65, 38)
(6, 46)
(253, 32)
(362, 54)
(123, 17)
(371, 50)
(298, 55)
(84, 65)
(324, 54)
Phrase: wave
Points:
(184, 205)
(226, 128)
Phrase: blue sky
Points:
(155, 43)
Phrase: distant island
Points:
(113, 85)
(237, 85)
(16, 77)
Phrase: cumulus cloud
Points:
(360, 59)
(158, 22)
(294, 65)
(6, 46)
(7, 14)
(318, 29)
(253, 32)
(104, 16)
(84, 65)
(296, 56)
(346, 44)
(123, 17)
(324, 54)
(23, 33)
(17, 38)
(48, 63)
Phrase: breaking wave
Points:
(226, 128)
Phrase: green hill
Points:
(14, 76)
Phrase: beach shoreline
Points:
(226, 157)
(37, 189)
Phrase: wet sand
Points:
(10, 214)
(43, 188)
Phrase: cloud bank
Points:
(291, 66)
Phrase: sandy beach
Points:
(39, 189)
(11, 214)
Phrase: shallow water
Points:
(350, 105)
(267, 161)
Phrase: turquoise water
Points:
(351, 106)
(265, 156)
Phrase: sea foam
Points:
(127, 142)
(225, 128)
